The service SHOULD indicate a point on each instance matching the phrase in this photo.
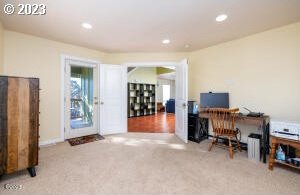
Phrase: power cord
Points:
(240, 134)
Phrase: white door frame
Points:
(63, 59)
(148, 64)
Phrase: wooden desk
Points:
(261, 122)
(275, 142)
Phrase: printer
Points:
(285, 130)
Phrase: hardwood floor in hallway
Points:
(159, 123)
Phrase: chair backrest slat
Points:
(223, 120)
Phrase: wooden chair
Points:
(160, 107)
(223, 124)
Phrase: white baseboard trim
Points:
(113, 133)
(50, 142)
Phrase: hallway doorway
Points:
(151, 99)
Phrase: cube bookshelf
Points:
(141, 99)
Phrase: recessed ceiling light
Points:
(86, 25)
(166, 41)
(221, 18)
(186, 45)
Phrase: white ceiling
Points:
(140, 25)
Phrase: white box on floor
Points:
(254, 147)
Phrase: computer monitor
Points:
(214, 100)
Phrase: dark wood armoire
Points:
(19, 124)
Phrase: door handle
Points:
(184, 105)
(101, 103)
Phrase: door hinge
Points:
(64, 129)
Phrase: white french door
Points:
(181, 99)
(81, 98)
(113, 104)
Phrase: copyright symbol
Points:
(9, 9)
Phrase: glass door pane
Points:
(81, 97)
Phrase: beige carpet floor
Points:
(139, 163)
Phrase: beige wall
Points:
(31, 56)
(261, 72)
(120, 58)
(1, 47)
(143, 75)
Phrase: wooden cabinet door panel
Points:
(19, 114)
